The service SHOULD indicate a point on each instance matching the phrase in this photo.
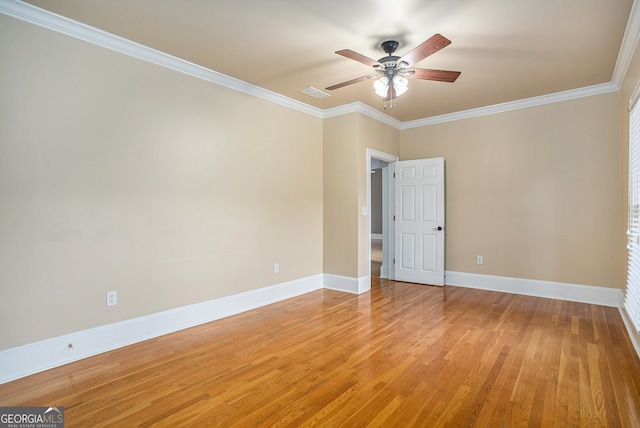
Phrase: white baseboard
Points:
(347, 284)
(384, 271)
(46, 354)
(39, 356)
(364, 284)
(633, 334)
(531, 287)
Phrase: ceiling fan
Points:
(393, 71)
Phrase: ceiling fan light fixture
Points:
(400, 84)
(381, 86)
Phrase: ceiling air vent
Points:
(315, 93)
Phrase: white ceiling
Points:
(507, 50)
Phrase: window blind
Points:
(632, 297)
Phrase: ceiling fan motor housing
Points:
(389, 61)
(391, 65)
(389, 46)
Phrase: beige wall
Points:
(116, 174)
(340, 179)
(535, 191)
(346, 140)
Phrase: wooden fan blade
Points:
(349, 82)
(348, 53)
(428, 47)
(437, 75)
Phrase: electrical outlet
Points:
(276, 267)
(112, 298)
(479, 260)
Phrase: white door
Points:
(419, 221)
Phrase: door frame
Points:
(387, 213)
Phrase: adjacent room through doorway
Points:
(377, 240)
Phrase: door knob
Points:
(438, 228)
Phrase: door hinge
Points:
(394, 218)
(394, 261)
(394, 175)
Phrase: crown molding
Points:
(360, 107)
(628, 46)
(513, 105)
(43, 18)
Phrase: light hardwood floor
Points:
(376, 256)
(402, 355)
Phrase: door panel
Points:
(408, 198)
(429, 203)
(429, 248)
(408, 243)
(419, 193)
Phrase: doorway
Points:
(378, 206)
(376, 213)
(418, 190)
